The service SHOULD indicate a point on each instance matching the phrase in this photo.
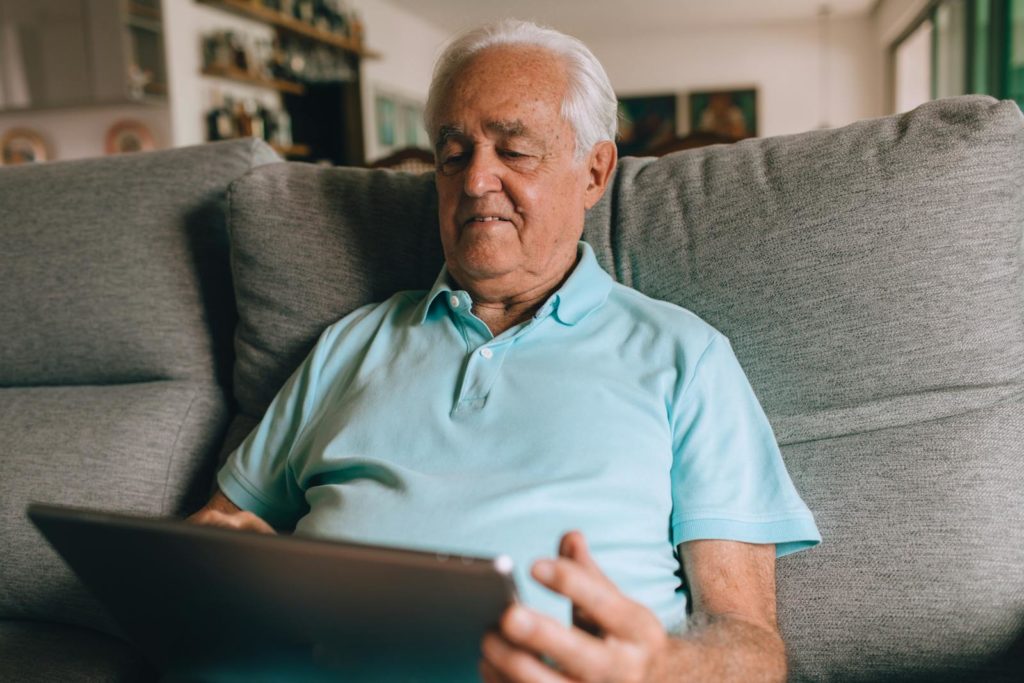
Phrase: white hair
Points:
(590, 105)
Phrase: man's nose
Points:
(483, 174)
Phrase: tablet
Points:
(205, 603)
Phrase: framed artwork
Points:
(129, 136)
(730, 113)
(23, 146)
(399, 122)
(386, 121)
(645, 123)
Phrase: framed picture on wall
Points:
(399, 123)
(129, 136)
(645, 123)
(729, 113)
(22, 146)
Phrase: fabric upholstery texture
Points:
(115, 361)
(32, 651)
(309, 244)
(116, 285)
(135, 447)
(870, 279)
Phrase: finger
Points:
(489, 674)
(516, 664)
(574, 546)
(242, 521)
(599, 598)
(577, 653)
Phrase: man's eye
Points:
(512, 154)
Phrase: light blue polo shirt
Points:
(630, 419)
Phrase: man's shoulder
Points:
(398, 308)
(664, 318)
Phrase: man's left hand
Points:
(613, 638)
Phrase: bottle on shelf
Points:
(220, 124)
(282, 129)
(243, 122)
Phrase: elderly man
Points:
(528, 399)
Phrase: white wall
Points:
(781, 60)
(82, 131)
(408, 46)
(893, 18)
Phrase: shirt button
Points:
(486, 353)
(454, 301)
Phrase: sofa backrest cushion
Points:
(114, 268)
(870, 279)
(115, 351)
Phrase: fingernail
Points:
(519, 621)
(544, 570)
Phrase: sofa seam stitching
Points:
(174, 450)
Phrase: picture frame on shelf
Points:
(127, 136)
(729, 113)
(23, 146)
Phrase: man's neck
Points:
(500, 317)
(501, 310)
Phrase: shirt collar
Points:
(584, 291)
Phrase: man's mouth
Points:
(485, 219)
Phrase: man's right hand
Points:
(222, 512)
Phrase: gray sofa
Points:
(871, 279)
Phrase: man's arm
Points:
(733, 633)
(734, 636)
(220, 511)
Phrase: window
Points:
(959, 47)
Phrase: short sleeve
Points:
(728, 478)
(257, 476)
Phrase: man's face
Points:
(511, 198)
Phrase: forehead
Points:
(499, 85)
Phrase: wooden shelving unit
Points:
(326, 116)
(240, 76)
(253, 9)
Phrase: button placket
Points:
(482, 369)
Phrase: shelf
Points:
(240, 76)
(143, 11)
(291, 150)
(252, 9)
(286, 150)
(144, 23)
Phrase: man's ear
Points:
(600, 165)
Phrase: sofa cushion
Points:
(34, 652)
(114, 269)
(309, 244)
(867, 276)
(870, 279)
(919, 576)
(136, 447)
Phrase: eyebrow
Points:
(445, 133)
(509, 129)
